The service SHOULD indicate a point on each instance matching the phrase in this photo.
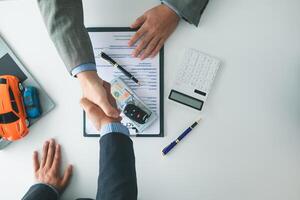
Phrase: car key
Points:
(135, 113)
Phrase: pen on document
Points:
(168, 148)
(115, 64)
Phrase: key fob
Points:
(136, 114)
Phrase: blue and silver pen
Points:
(175, 142)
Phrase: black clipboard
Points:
(161, 83)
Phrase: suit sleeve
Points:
(41, 192)
(65, 24)
(190, 10)
(117, 176)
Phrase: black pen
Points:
(115, 64)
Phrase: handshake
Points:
(98, 103)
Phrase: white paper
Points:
(115, 44)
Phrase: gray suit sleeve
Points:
(190, 10)
(64, 22)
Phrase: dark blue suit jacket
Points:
(117, 175)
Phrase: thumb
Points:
(138, 22)
(66, 177)
(86, 105)
(93, 112)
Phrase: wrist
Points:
(107, 120)
(170, 11)
(87, 76)
(114, 128)
(88, 79)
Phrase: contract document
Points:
(149, 72)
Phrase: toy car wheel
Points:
(27, 122)
(21, 87)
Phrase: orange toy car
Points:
(13, 120)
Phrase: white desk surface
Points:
(248, 145)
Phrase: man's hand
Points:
(96, 114)
(93, 89)
(48, 170)
(156, 25)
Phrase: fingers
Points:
(57, 158)
(138, 22)
(85, 103)
(111, 99)
(120, 118)
(137, 36)
(36, 163)
(108, 109)
(50, 154)
(104, 102)
(157, 48)
(107, 86)
(93, 111)
(150, 43)
(142, 44)
(45, 152)
(90, 108)
(150, 48)
(67, 175)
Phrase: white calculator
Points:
(194, 79)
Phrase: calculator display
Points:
(186, 100)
